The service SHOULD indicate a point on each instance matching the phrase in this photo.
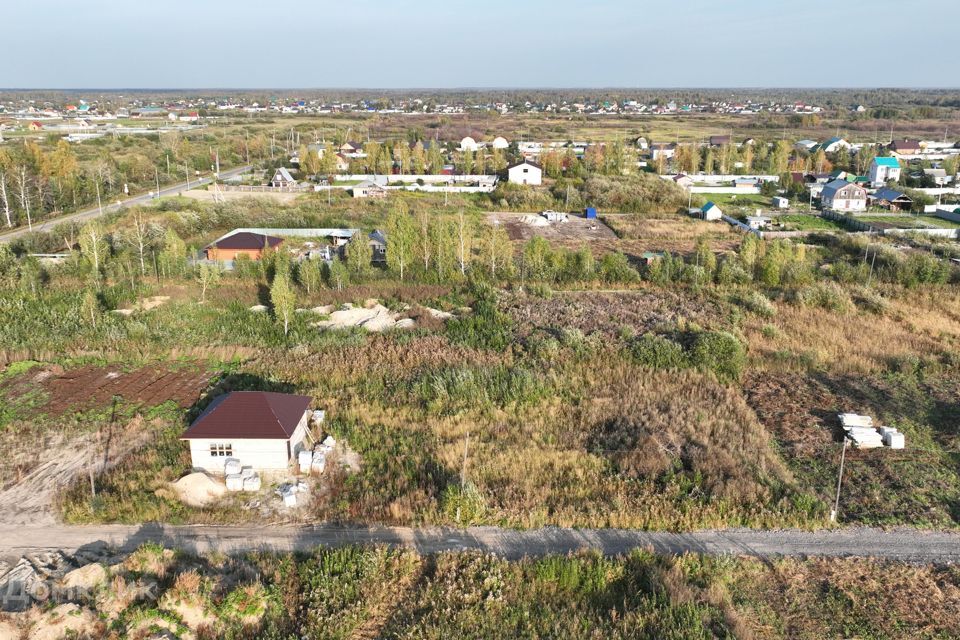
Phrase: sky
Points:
(385, 44)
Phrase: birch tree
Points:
(401, 236)
(93, 245)
(5, 199)
(283, 299)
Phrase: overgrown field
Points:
(362, 592)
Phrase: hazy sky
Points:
(491, 43)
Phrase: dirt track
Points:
(902, 544)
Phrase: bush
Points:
(719, 352)
(758, 304)
(463, 506)
(658, 352)
(485, 328)
(826, 295)
(615, 268)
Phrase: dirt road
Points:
(902, 544)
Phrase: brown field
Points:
(94, 387)
(607, 313)
(575, 229)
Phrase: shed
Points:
(710, 211)
(780, 202)
(590, 212)
(242, 243)
(282, 178)
(262, 430)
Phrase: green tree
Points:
(359, 256)
(283, 299)
(402, 236)
(338, 276)
(173, 254)
(208, 275)
(309, 274)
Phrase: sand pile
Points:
(198, 489)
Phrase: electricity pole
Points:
(836, 502)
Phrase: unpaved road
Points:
(902, 544)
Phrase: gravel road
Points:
(901, 544)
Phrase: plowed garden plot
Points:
(608, 312)
(92, 387)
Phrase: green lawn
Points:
(737, 200)
(807, 222)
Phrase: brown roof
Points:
(904, 144)
(250, 414)
(247, 240)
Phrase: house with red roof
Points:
(263, 430)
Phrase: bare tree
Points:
(140, 238)
(24, 194)
(5, 199)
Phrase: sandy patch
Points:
(198, 489)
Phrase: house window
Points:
(221, 450)
(525, 170)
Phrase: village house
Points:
(665, 150)
(891, 199)
(378, 246)
(831, 145)
(884, 170)
(841, 195)
(904, 147)
(938, 176)
(35, 126)
(683, 181)
(368, 189)
(525, 172)
(262, 430)
(282, 178)
(243, 243)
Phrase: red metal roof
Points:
(250, 415)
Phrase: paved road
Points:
(902, 544)
(93, 212)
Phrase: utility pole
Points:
(836, 502)
(156, 174)
(463, 469)
(186, 172)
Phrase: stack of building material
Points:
(318, 416)
(861, 431)
(231, 466)
(305, 460)
(252, 483)
(892, 438)
(864, 437)
(234, 482)
(319, 462)
(289, 498)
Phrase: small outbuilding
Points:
(262, 430)
(780, 202)
(710, 211)
(282, 178)
(245, 243)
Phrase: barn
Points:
(262, 430)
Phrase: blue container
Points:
(590, 212)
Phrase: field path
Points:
(901, 544)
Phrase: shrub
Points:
(614, 267)
(463, 505)
(485, 328)
(759, 304)
(719, 352)
(658, 352)
(826, 295)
